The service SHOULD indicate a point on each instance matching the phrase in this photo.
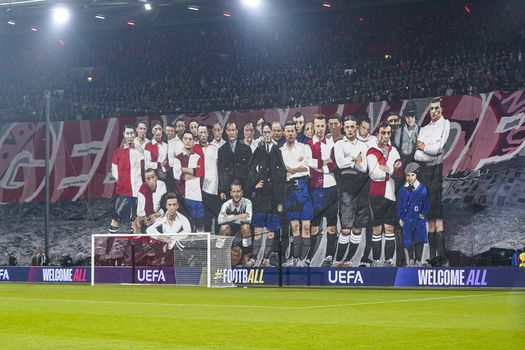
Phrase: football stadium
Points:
(266, 174)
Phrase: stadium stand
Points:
(409, 52)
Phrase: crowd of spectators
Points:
(307, 59)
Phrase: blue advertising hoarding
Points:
(490, 277)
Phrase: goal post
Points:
(178, 259)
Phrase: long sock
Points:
(313, 245)
(432, 244)
(331, 244)
(268, 249)
(305, 247)
(342, 246)
(256, 247)
(440, 245)
(285, 238)
(376, 247)
(354, 243)
(297, 243)
(285, 242)
(400, 251)
(390, 245)
(411, 252)
(418, 251)
(368, 245)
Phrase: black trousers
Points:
(212, 207)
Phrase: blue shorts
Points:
(268, 220)
(124, 209)
(195, 209)
(325, 204)
(414, 232)
(297, 201)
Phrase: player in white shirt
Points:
(141, 140)
(217, 130)
(175, 146)
(297, 203)
(429, 154)
(172, 222)
(210, 181)
(350, 157)
(363, 135)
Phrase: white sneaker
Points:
(300, 263)
(250, 263)
(341, 264)
(289, 263)
(265, 263)
(327, 262)
(388, 263)
(376, 263)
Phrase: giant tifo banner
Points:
(484, 129)
(313, 277)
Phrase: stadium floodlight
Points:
(193, 8)
(131, 23)
(147, 6)
(100, 17)
(34, 29)
(251, 3)
(11, 23)
(61, 15)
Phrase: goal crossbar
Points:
(182, 245)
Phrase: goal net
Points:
(198, 259)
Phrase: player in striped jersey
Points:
(383, 163)
(126, 165)
(188, 168)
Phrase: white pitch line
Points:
(403, 300)
(256, 306)
(141, 303)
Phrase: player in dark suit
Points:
(269, 175)
(233, 163)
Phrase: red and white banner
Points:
(486, 128)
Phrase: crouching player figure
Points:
(234, 218)
(412, 209)
(172, 222)
(149, 208)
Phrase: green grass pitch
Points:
(160, 317)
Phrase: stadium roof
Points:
(117, 13)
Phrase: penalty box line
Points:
(114, 302)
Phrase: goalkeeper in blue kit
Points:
(412, 210)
